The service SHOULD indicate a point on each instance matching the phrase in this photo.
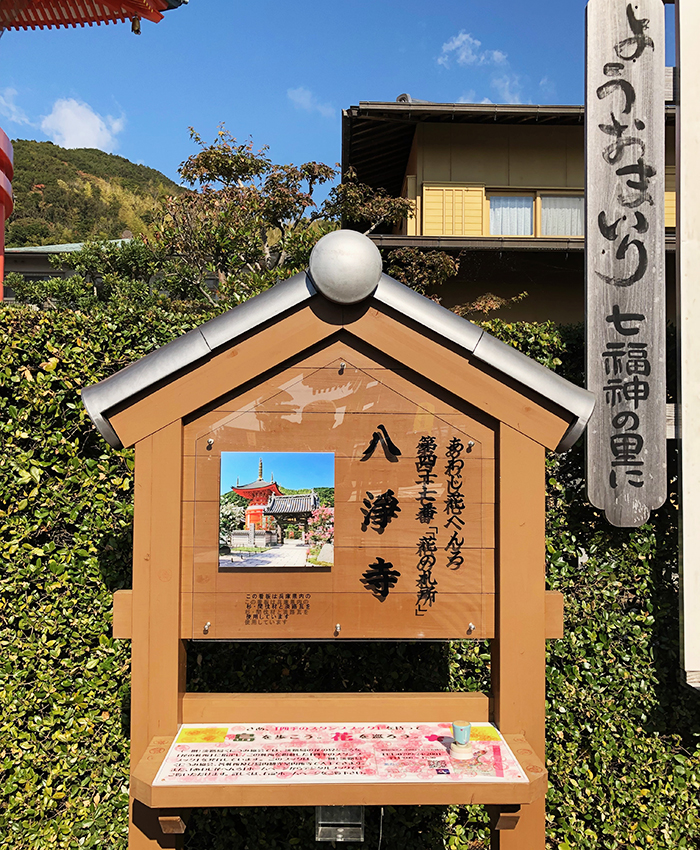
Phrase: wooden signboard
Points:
(414, 486)
(413, 444)
(625, 258)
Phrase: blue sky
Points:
(280, 72)
(294, 470)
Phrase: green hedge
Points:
(623, 750)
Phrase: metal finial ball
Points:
(345, 266)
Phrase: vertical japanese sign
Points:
(441, 540)
(625, 259)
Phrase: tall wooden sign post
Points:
(432, 435)
(688, 322)
(625, 258)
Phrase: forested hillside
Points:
(73, 195)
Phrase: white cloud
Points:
(467, 51)
(9, 109)
(509, 88)
(303, 98)
(470, 97)
(74, 124)
(547, 88)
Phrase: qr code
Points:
(436, 763)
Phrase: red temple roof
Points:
(256, 489)
(44, 14)
(258, 492)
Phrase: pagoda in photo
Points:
(258, 493)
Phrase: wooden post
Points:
(625, 258)
(157, 653)
(518, 652)
(688, 322)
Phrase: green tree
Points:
(421, 270)
(249, 222)
(104, 272)
(360, 204)
(231, 518)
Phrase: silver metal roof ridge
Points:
(334, 261)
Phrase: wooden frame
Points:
(158, 614)
(356, 794)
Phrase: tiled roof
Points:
(300, 503)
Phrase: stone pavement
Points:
(292, 553)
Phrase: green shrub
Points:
(623, 749)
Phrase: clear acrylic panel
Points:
(340, 501)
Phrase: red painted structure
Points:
(6, 171)
(44, 14)
(258, 494)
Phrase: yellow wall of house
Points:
(456, 165)
(670, 195)
(670, 198)
(453, 210)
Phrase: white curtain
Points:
(511, 215)
(562, 215)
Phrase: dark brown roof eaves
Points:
(477, 113)
(390, 241)
(377, 136)
(255, 485)
(470, 113)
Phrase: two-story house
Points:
(501, 185)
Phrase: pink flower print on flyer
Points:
(358, 753)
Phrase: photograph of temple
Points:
(266, 525)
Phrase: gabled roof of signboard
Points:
(345, 268)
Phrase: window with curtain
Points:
(562, 215)
(511, 215)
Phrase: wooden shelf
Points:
(348, 709)
(337, 794)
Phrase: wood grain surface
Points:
(625, 258)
